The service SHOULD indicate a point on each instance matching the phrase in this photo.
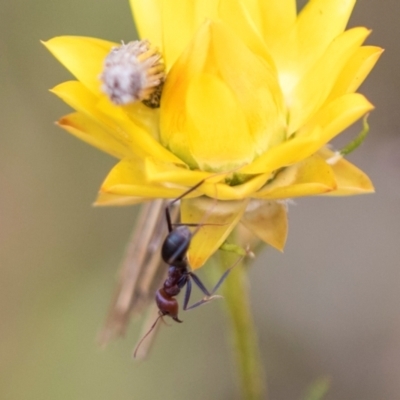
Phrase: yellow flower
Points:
(253, 93)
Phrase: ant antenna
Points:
(147, 334)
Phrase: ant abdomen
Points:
(167, 305)
(175, 246)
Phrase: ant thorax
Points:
(176, 245)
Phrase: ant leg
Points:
(210, 295)
(199, 283)
(196, 225)
(223, 277)
(167, 212)
(226, 273)
(179, 235)
(188, 292)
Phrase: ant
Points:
(174, 253)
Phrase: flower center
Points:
(133, 72)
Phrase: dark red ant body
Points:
(174, 253)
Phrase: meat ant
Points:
(174, 253)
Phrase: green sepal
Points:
(233, 248)
(358, 140)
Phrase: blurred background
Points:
(328, 306)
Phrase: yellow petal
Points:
(143, 142)
(317, 25)
(223, 215)
(235, 16)
(350, 179)
(114, 119)
(310, 177)
(314, 87)
(336, 116)
(76, 95)
(219, 136)
(274, 17)
(127, 178)
(180, 21)
(96, 135)
(212, 186)
(267, 220)
(231, 99)
(173, 134)
(147, 16)
(253, 83)
(143, 116)
(157, 171)
(286, 153)
(222, 191)
(356, 70)
(107, 199)
(82, 56)
(332, 119)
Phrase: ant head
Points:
(167, 305)
(176, 245)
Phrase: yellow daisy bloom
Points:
(248, 95)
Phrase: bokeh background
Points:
(328, 306)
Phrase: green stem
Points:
(244, 336)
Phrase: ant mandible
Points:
(174, 253)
